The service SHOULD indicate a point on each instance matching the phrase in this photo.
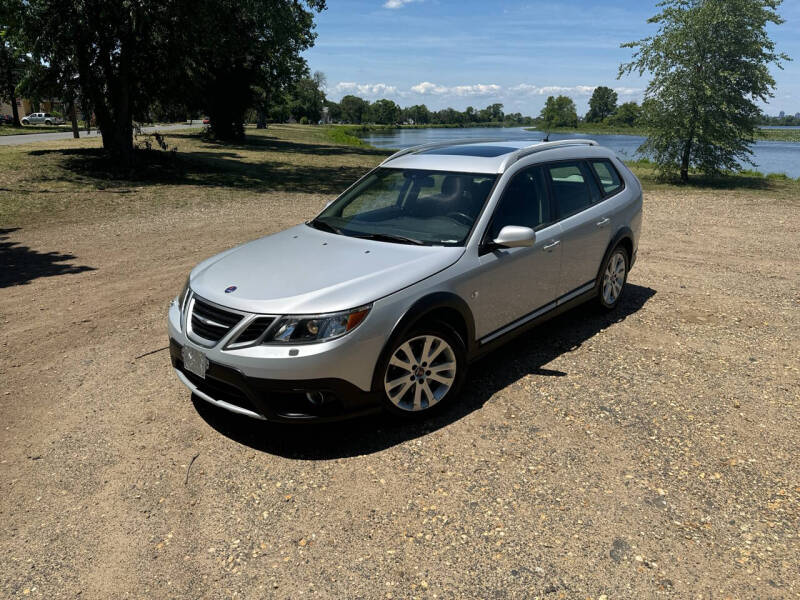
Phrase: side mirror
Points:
(513, 236)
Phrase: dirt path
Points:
(651, 454)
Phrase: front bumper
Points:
(284, 401)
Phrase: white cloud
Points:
(479, 89)
(398, 3)
(363, 89)
(575, 90)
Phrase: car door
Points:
(585, 224)
(509, 285)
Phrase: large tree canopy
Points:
(602, 104)
(129, 56)
(559, 112)
(248, 52)
(709, 63)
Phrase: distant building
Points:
(797, 115)
(781, 114)
(26, 107)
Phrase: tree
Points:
(627, 114)
(559, 112)
(127, 54)
(308, 98)
(12, 58)
(249, 53)
(384, 112)
(709, 63)
(353, 109)
(602, 104)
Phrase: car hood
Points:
(305, 271)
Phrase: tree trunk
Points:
(14, 109)
(74, 119)
(687, 153)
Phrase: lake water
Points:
(770, 157)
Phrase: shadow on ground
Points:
(21, 265)
(219, 165)
(524, 356)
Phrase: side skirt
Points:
(484, 347)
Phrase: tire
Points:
(612, 279)
(410, 389)
(25, 122)
(48, 122)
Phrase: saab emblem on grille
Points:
(230, 289)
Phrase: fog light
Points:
(316, 398)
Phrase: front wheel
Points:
(613, 278)
(48, 122)
(425, 369)
(25, 122)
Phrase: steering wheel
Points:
(460, 216)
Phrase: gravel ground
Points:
(651, 453)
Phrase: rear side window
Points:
(608, 176)
(573, 187)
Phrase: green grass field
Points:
(769, 135)
(70, 180)
(29, 129)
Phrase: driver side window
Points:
(524, 203)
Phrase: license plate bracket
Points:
(194, 361)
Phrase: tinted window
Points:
(524, 203)
(573, 190)
(608, 176)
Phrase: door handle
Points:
(604, 222)
(550, 247)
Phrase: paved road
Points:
(29, 138)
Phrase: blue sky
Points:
(470, 53)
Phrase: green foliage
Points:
(353, 109)
(303, 120)
(602, 104)
(249, 53)
(307, 98)
(627, 114)
(383, 112)
(559, 112)
(13, 60)
(709, 63)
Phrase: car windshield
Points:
(409, 206)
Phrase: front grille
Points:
(254, 330)
(210, 322)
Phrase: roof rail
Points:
(523, 152)
(434, 145)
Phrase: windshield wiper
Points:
(388, 237)
(323, 226)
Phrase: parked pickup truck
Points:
(42, 119)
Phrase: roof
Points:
(474, 156)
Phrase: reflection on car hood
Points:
(305, 271)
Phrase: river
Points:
(769, 157)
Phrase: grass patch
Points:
(32, 129)
(71, 181)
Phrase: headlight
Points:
(316, 328)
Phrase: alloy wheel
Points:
(614, 277)
(420, 373)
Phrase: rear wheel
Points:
(48, 122)
(25, 122)
(613, 277)
(424, 370)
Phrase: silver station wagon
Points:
(432, 259)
